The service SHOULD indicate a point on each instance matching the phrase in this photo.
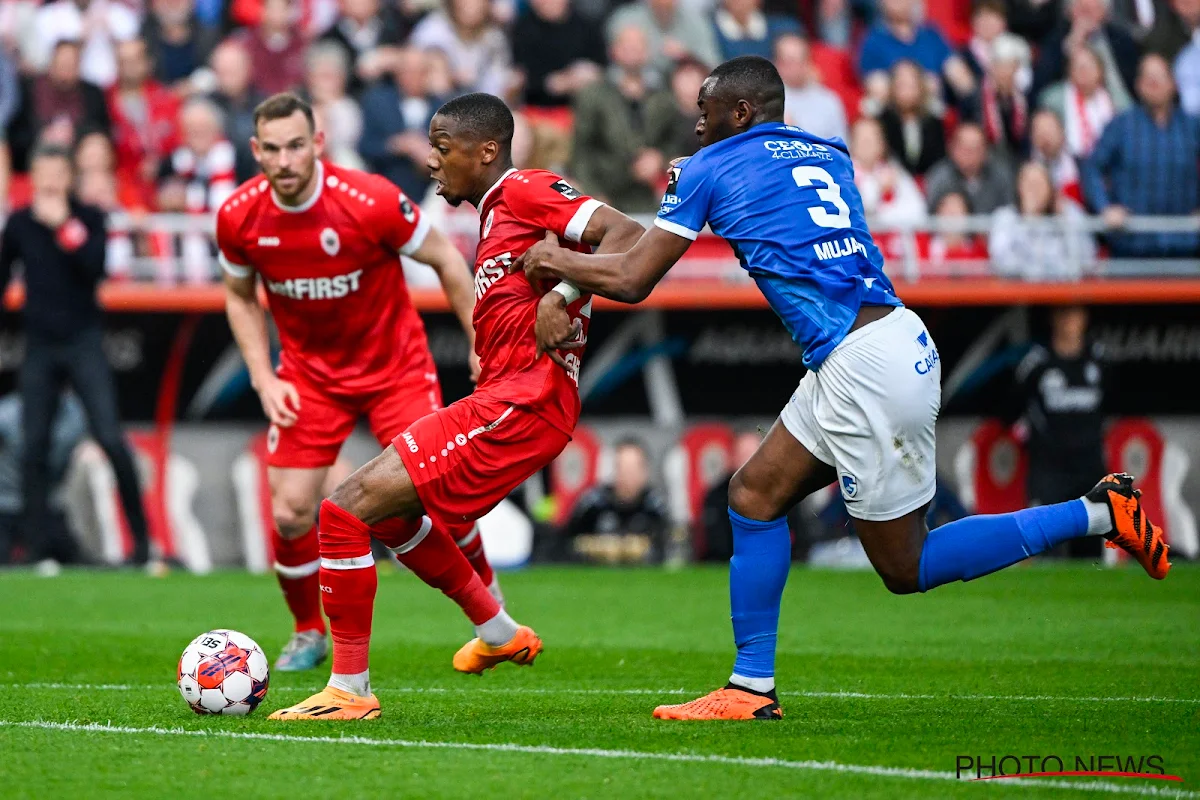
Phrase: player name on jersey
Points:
(839, 248)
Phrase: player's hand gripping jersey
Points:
(514, 215)
(332, 272)
(785, 201)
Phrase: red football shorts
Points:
(467, 457)
(326, 420)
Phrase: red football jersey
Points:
(333, 277)
(514, 215)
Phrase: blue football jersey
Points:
(786, 202)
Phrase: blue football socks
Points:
(758, 571)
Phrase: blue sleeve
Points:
(685, 206)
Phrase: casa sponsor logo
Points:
(797, 149)
(1095, 765)
(490, 271)
(332, 288)
(839, 248)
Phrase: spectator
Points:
(1139, 17)
(952, 249)
(744, 30)
(236, 98)
(672, 31)
(807, 103)
(557, 52)
(396, 117)
(1187, 63)
(987, 22)
(902, 34)
(890, 196)
(327, 74)
(67, 432)
(915, 137)
(98, 188)
(98, 25)
(10, 101)
(622, 127)
(276, 48)
(1145, 163)
(624, 522)
(1043, 236)
(179, 44)
(145, 119)
(1082, 102)
(61, 244)
(1087, 23)
(1048, 147)
(969, 171)
(1061, 394)
(1003, 110)
(368, 33)
(441, 74)
(477, 50)
(57, 107)
(686, 80)
(199, 175)
(1174, 29)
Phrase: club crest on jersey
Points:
(487, 223)
(566, 190)
(330, 242)
(406, 208)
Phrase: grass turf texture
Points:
(926, 678)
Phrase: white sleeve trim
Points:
(676, 228)
(418, 237)
(579, 222)
(236, 270)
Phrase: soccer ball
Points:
(223, 672)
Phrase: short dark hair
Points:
(484, 115)
(752, 78)
(995, 6)
(282, 106)
(631, 441)
(48, 150)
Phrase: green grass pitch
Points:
(880, 693)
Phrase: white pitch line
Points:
(835, 695)
(592, 752)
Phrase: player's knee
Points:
(294, 516)
(361, 495)
(900, 578)
(750, 500)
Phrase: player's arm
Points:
(440, 253)
(248, 321)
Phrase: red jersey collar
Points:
(483, 200)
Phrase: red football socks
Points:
(471, 543)
(437, 560)
(297, 562)
(348, 585)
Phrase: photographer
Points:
(61, 244)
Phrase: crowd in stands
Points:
(950, 108)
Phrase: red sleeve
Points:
(396, 219)
(230, 251)
(547, 200)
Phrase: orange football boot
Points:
(475, 656)
(1132, 530)
(729, 702)
(332, 704)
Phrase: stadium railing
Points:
(183, 275)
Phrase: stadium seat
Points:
(990, 469)
(583, 463)
(836, 69)
(179, 535)
(1137, 446)
(703, 456)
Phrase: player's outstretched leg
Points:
(432, 554)
(297, 562)
(979, 545)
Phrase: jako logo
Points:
(411, 442)
(849, 486)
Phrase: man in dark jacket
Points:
(61, 244)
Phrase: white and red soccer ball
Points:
(223, 672)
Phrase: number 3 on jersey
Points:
(831, 194)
